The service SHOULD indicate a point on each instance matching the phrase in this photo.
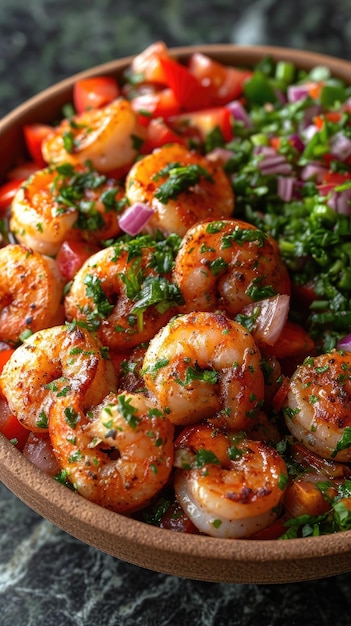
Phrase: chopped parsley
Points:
(180, 179)
(197, 373)
(128, 411)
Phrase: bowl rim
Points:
(74, 514)
(67, 508)
(305, 59)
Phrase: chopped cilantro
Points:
(181, 178)
(196, 373)
(128, 411)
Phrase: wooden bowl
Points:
(191, 556)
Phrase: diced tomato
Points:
(275, 143)
(10, 427)
(274, 531)
(333, 116)
(7, 193)
(303, 497)
(280, 395)
(147, 63)
(332, 179)
(71, 256)
(161, 103)
(93, 93)
(304, 294)
(224, 83)
(4, 356)
(314, 88)
(329, 116)
(205, 122)
(34, 134)
(159, 134)
(336, 178)
(293, 341)
(319, 121)
(189, 92)
(327, 159)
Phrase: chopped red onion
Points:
(309, 114)
(344, 343)
(220, 154)
(280, 95)
(297, 142)
(274, 164)
(297, 92)
(272, 160)
(273, 313)
(313, 171)
(285, 187)
(340, 202)
(38, 450)
(133, 220)
(340, 146)
(266, 150)
(239, 113)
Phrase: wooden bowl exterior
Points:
(190, 556)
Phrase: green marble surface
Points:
(48, 578)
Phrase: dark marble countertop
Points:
(43, 41)
(48, 578)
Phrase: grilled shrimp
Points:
(181, 186)
(228, 264)
(204, 365)
(108, 137)
(71, 359)
(57, 203)
(318, 405)
(31, 290)
(228, 485)
(119, 455)
(123, 295)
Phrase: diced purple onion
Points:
(340, 202)
(273, 313)
(285, 187)
(274, 164)
(295, 93)
(297, 142)
(313, 171)
(309, 114)
(266, 150)
(239, 113)
(280, 95)
(340, 146)
(133, 220)
(344, 343)
(220, 154)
